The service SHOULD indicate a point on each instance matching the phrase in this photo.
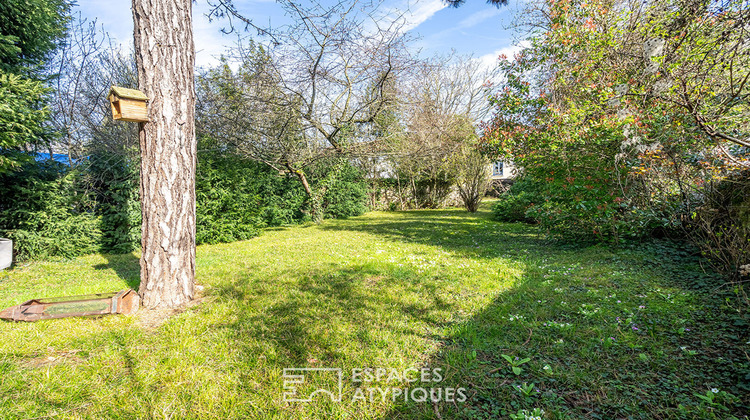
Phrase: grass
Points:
(634, 332)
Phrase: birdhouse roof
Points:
(128, 93)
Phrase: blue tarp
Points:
(57, 157)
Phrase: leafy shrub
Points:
(721, 227)
(431, 193)
(227, 200)
(284, 199)
(512, 207)
(115, 181)
(346, 191)
(46, 212)
(580, 211)
(473, 175)
(384, 193)
(49, 209)
(278, 212)
(515, 202)
(587, 220)
(237, 197)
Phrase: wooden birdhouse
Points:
(128, 104)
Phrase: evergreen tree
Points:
(29, 31)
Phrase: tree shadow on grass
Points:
(127, 267)
(612, 347)
(365, 315)
(561, 313)
(463, 233)
(632, 332)
(315, 316)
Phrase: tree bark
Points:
(305, 184)
(165, 58)
(315, 211)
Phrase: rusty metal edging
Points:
(122, 302)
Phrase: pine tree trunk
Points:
(165, 58)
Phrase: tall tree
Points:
(338, 61)
(335, 60)
(438, 105)
(248, 113)
(80, 87)
(331, 68)
(623, 111)
(165, 57)
(29, 31)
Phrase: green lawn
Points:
(633, 332)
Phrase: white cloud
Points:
(490, 60)
(478, 18)
(418, 13)
(406, 15)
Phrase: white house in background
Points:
(503, 170)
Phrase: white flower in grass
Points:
(715, 390)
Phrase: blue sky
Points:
(474, 28)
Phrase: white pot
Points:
(6, 253)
